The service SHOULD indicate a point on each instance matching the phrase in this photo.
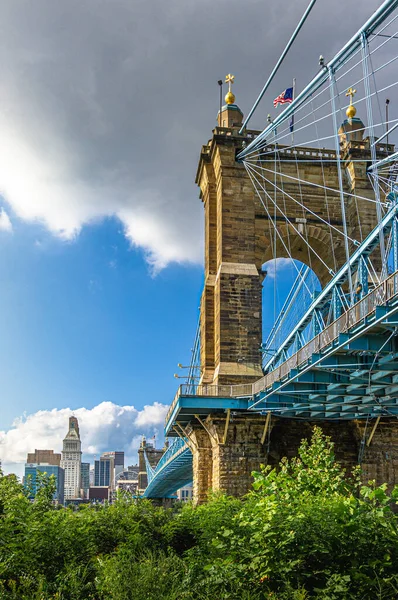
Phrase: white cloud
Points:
(276, 267)
(5, 222)
(110, 124)
(77, 143)
(107, 426)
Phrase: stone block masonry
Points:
(239, 239)
(226, 465)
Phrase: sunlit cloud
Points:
(106, 426)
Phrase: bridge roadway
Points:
(348, 371)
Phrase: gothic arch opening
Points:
(311, 245)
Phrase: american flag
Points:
(284, 98)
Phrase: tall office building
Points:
(85, 478)
(72, 459)
(108, 468)
(118, 461)
(31, 479)
(104, 471)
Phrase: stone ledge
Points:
(237, 269)
(238, 370)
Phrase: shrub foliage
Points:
(306, 530)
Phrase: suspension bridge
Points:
(318, 188)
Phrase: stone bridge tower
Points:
(238, 240)
(237, 244)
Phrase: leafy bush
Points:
(306, 530)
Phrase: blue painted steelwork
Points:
(347, 371)
(332, 291)
(194, 367)
(301, 294)
(357, 352)
(173, 471)
(349, 368)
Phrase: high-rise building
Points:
(108, 468)
(85, 479)
(118, 461)
(31, 479)
(47, 457)
(71, 460)
(104, 472)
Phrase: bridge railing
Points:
(172, 451)
(381, 294)
(221, 391)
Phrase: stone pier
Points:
(227, 466)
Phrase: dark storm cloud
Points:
(106, 103)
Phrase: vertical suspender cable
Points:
(333, 93)
(365, 62)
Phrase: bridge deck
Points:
(349, 370)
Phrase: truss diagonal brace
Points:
(185, 436)
(224, 439)
(373, 431)
(205, 428)
(266, 425)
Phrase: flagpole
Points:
(294, 95)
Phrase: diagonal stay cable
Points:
(311, 183)
(293, 226)
(278, 232)
(309, 210)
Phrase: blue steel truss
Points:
(332, 292)
(349, 367)
(348, 371)
(173, 471)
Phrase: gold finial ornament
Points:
(229, 97)
(351, 110)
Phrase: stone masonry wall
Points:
(227, 467)
(239, 238)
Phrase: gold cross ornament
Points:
(351, 92)
(230, 80)
(351, 110)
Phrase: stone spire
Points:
(352, 129)
(230, 114)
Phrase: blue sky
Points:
(102, 116)
(88, 326)
(85, 321)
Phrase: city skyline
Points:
(78, 481)
(108, 426)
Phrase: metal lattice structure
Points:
(336, 358)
